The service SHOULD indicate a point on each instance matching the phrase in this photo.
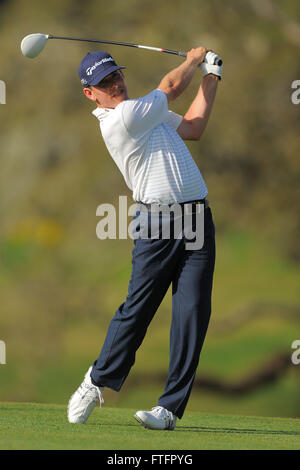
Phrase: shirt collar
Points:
(100, 113)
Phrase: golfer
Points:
(146, 141)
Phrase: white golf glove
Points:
(209, 65)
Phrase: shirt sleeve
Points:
(144, 114)
(174, 119)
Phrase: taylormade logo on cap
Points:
(90, 70)
(95, 66)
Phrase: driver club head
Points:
(33, 44)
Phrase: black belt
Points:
(182, 204)
(197, 201)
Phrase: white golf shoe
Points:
(84, 400)
(158, 418)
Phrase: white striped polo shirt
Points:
(140, 135)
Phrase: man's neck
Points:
(113, 103)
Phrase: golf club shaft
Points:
(157, 49)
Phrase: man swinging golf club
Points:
(145, 140)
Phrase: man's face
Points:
(110, 91)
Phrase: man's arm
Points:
(176, 81)
(196, 118)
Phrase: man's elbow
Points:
(170, 88)
(195, 135)
(191, 131)
(171, 93)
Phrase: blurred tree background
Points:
(60, 285)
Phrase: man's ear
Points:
(89, 94)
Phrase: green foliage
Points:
(249, 154)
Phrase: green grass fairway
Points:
(40, 426)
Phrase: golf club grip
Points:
(219, 62)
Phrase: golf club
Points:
(33, 44)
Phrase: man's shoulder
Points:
(135, 117)
(153, 95)
(138, 107)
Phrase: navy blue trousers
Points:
(157, 263)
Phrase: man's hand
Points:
(197, 54)
(210, 67)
